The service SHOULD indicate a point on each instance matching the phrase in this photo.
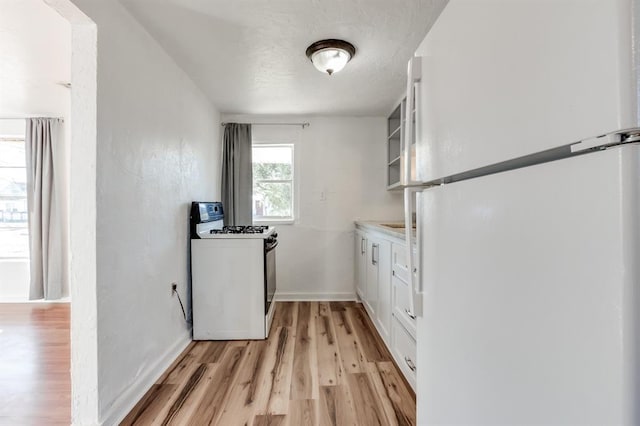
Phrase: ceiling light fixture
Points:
(330, 55)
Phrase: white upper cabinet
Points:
(503, 79)
(394, 146)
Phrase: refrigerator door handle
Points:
(415, 302)
(418, 267)
(414, 73)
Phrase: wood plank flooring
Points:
(323, 364)
(35, 382)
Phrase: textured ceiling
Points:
(35, 55)
(249, 55)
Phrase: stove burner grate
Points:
(240, 229)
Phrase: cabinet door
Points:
(372, 260)
(385, 305)
(402, 309)
(360, 256)
(403, 348)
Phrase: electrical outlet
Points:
(174, 288)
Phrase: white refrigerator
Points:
(525, 139)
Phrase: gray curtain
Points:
(42, 143)
(237, 174)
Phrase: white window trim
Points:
(294, 184)
(16, 138)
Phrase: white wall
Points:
(158, 149)
(340, 165)
(36, 54)
(14, 280)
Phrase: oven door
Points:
(269, 273)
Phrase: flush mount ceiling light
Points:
(330, 55)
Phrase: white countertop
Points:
(378, 226)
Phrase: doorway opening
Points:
(44, 378)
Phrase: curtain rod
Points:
(305, 124)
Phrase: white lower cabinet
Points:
(399, 263)
(385, 304)
(403, 348)
(381, 276)
(377, 300)
(372, 273)
(401, 306)
(361, 263)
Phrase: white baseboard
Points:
(130, 397)
(314, 297)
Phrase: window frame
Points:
(21, 139)
(276, 220)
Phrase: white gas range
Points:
(233, 276)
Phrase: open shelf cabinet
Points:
(395, 143)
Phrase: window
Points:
(273, 182)
(14, 232)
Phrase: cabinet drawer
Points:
(399, 264)
(404, 351)
(402, 306)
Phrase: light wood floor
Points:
(35, 383)
(323, 364)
